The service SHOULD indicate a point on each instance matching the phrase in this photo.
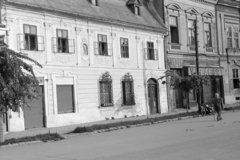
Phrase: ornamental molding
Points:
(28, 19)
(125, 63)
(62, 59)
(104, 61)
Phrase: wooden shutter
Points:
(65, 99)
(40, 41)
(110, 51)
(155, 54)
(146, 53)
(71, 45)
(21, 41)
(96, 48)
(54, 45)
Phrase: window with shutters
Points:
(62, 41)
(174, 29)
(137, 10)
(229, 37)
(124, 47)
(65, 99)
(207, 34)
(235, 78)
(191, 34)
(128, 90)
(106, 90)
(102, 45)
(29, 40)
(150, 52)
(236, 37)
(30, 37)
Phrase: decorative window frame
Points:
(174, 9)
(208, 17)
(155, 50)
(129, 47)
(107, 78)
(54, 36)
(109, 43)
(128, 78)
(20, 37)
(191, 14)
(232, 25)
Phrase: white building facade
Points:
(101, 59)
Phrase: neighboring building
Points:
(180, 16)
(101, 59)
(228, 22)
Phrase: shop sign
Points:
(202, 62)
(175, 62)
(206, 71)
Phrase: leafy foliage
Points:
(18, 84)
(187, 83)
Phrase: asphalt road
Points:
(192, 139)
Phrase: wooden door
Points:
(153, 96)
(34, 115)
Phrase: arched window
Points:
(106, 93)
(128, 90)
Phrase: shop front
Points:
(186, 66)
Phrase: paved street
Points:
(192, 139)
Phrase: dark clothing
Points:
(218, 106)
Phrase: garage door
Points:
(34, 115)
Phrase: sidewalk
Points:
(66, 129)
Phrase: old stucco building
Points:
(228, 22)
(101, 59)
(180, 18)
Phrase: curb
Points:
(21, 143)
(130, 126)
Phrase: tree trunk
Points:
(1, 128)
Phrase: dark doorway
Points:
(216, 86)
(180, 98)
(34, 115)
(153, 96)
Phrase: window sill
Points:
(103, 55)
(30, 51)
(124, 58)
(106, 108)
(63, 53)
(153, 60)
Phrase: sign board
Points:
(206, 71)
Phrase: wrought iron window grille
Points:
(106, 90)
(128, 90)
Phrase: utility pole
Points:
(197, 62)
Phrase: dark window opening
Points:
(174, 29)
(106, 93)
(102, 45)
(235, 78)
(128, 90)
(124, 48)
(30, 36)
(150, 51)
(62, 41)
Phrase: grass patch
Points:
(127, 123)
(41, 137)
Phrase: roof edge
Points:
(97, 19)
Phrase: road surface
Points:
(192, 139)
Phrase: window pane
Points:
(174, 34)
(173, 20)
(33, 30)
(207, 26)
(26, 29)
(100, 38)
(104, 38)
(190, 24)
(59, 33)
(65, 34)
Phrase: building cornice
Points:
(212, 2)
(86, 17)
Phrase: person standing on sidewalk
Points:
(218, 106)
